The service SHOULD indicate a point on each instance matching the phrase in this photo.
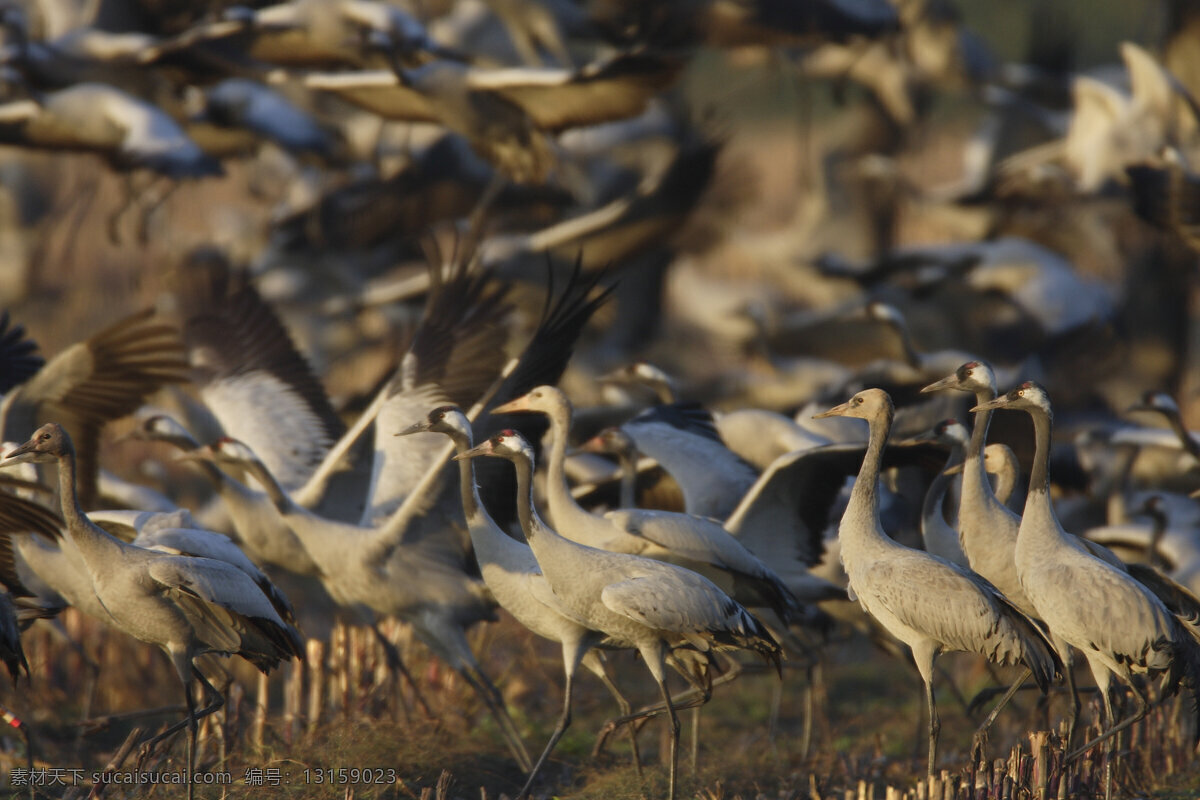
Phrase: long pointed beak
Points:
(512, 407)
(484, 449)
(999, 402)
(21, 454)
(948, 382)
(955, 470)
(836, 411)
(416, 427)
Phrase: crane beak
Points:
(416, 427)
(836, 411)
(955, 470)
(484, 449)
(22, 454)
(999, 402)
(948, 382)
(512, 407)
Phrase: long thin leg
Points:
(564, 720)
(674, 722)
(600, 669)
(193, 718)
(981, 733)
(192, 726)
(935, 725)
(494, 701)
(689, 698)
(1143, 707)
(694, 753)
(394, 661)
(1073, 709)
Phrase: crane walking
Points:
(657, 606)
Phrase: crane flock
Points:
(495, 314)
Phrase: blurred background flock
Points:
(753, 207)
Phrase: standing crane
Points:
(657, 606)
(923, 600)
(186, 606)
(1120, 626)
(511, 572)
(694, 542)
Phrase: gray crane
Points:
(511, 571)
(425, 582)
(658, 607)
(988, 529)
(1121, 627)
(694, 542)
(186, 606)
(925, 601)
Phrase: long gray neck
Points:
(979, 433)
(527, 514)
(281, 499)
(466, 475)
(1039, 477)
(88, 536)
(558, 494)
(864, 497)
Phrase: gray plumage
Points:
(926, 602)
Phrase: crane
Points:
(186, 606)
(1120, 626)
(923, 600)
(658, 607)
(424, 582)
(511, 571)
(695, 542)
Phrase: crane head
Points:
(443, 419)
(973, 376)
(48, 443)
(505, 444)
(542, 400)
(1030, 395)
(867, 404)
